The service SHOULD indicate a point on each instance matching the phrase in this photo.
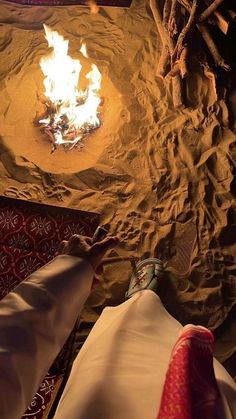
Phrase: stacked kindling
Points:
(177, 23)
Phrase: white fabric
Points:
(35, 321)
(120, 371)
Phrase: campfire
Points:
(70, 112)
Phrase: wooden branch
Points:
(203, 29)
(166, 13)
(219, 61)
(176, 86)
(232, 14)
(165, 38)
(213, 6)
(182, 62)
(168, 46)
(172, 26)
(185, 30)
(221, 22)
(158, 20)
(177, 92)
(165, 54)
(163, 62)
(175, 70)
(185, 4)
(180, 66)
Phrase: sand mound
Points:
(160, 177)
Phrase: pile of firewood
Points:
(176, 21)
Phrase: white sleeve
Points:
(35, 320)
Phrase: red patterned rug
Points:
(29, 237)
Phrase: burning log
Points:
(59, 131)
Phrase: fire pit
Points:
(30, 144)
(70, 113)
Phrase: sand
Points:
(161, 178)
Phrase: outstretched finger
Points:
(88, 240)
(80, 239)
(100, 248)
(78, 245)
(62, 247)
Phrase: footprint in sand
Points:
(59, 192)
(27, 194)
(185, 239)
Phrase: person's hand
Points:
(83, 247)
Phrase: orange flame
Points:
(94, 8)
(76, 110)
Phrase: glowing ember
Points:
(70, 113)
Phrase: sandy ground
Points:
(161, 178)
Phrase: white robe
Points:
(119, 372)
